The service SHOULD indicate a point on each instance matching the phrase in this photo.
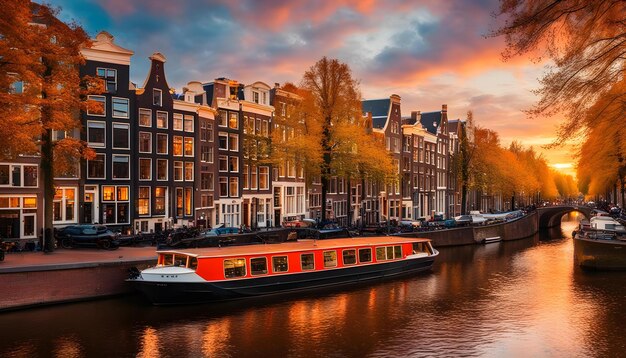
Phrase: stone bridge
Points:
(550, 216)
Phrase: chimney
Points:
(444, 108)
(276, 85)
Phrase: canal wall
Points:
(57, 283)
(511, 230)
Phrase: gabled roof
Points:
(379, 108)
(431, 120)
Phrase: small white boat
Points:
(489, 240)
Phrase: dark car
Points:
(220, 231)
(87, 235)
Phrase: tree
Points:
(42, 53)
(463, 159)
(585, 41)
(331, 111)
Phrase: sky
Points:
(428, 52)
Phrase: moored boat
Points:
(206, 274)
(600, 244)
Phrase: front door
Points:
(90, 205)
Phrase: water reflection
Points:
(520, 298)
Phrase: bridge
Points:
(550, 216)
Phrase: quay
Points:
(31, 279)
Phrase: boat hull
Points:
(600, 254)
(172, 293)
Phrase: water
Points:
(523, 298)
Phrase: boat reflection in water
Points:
(201, 275)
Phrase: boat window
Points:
(421, 247)
(180, 260)
(193, 262)
(279, 264)
(365, 255)
(330, 258)
(234, 268)
(349, 257)
(389, 252)
(380, 254)
(258, 266)
(307, 262)
(397, 251)
(168, 259)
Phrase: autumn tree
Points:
(462, 160)
(585, 43)
(42, 55)
(331, 115)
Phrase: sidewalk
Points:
(71, 258)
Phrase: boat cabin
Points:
(252, 261)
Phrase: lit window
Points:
(145, 117)
(178, 122)
(145, 142)
(145, 169)
(161, 120)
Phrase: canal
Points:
(522, 298)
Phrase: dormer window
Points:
(157, 97)
(255, 96)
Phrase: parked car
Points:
(220, 231)
(299, 223)
(87, 235)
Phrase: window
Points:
(381, 254)
(233, 164)
(64, 208)
(255, 96)
(96, 136)
(223, 186)
(246, 177)
(188, 146)
(233, 121)
(188, 171)
(188, 201)
(96, 168)
(397, 252)
(223, 116)
(157, 97)
(159, 200)
(253, 177)
(330, 258)
(234, 268)
(161, 169)
(349, 257)
(145, 169)
(223, 141)
(96, 106)
(179, 202)
(109, 76)
(233, 186)
(177, 147)
(233, 143)
(188, 126)
(223, 163)
(161, 143)
(279, 264)
(145, 117)
(365, 255)
(178, 171)
(264, 178)
(18, 175)
(115, 203)
(161, 120)
(120, 107)
(178, 122)
(145, 142)
(143, 203)
(121, 167)
(307, 262)
(206, 154)
(258, 266)
(206, 181)
(209, 132)
(121, 136)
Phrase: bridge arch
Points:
(550, 216)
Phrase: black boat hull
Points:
(600, 254)
(169, 293)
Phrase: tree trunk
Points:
(513, 202)
(47, 173)
(326, 164)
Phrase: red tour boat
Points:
(205, 274)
